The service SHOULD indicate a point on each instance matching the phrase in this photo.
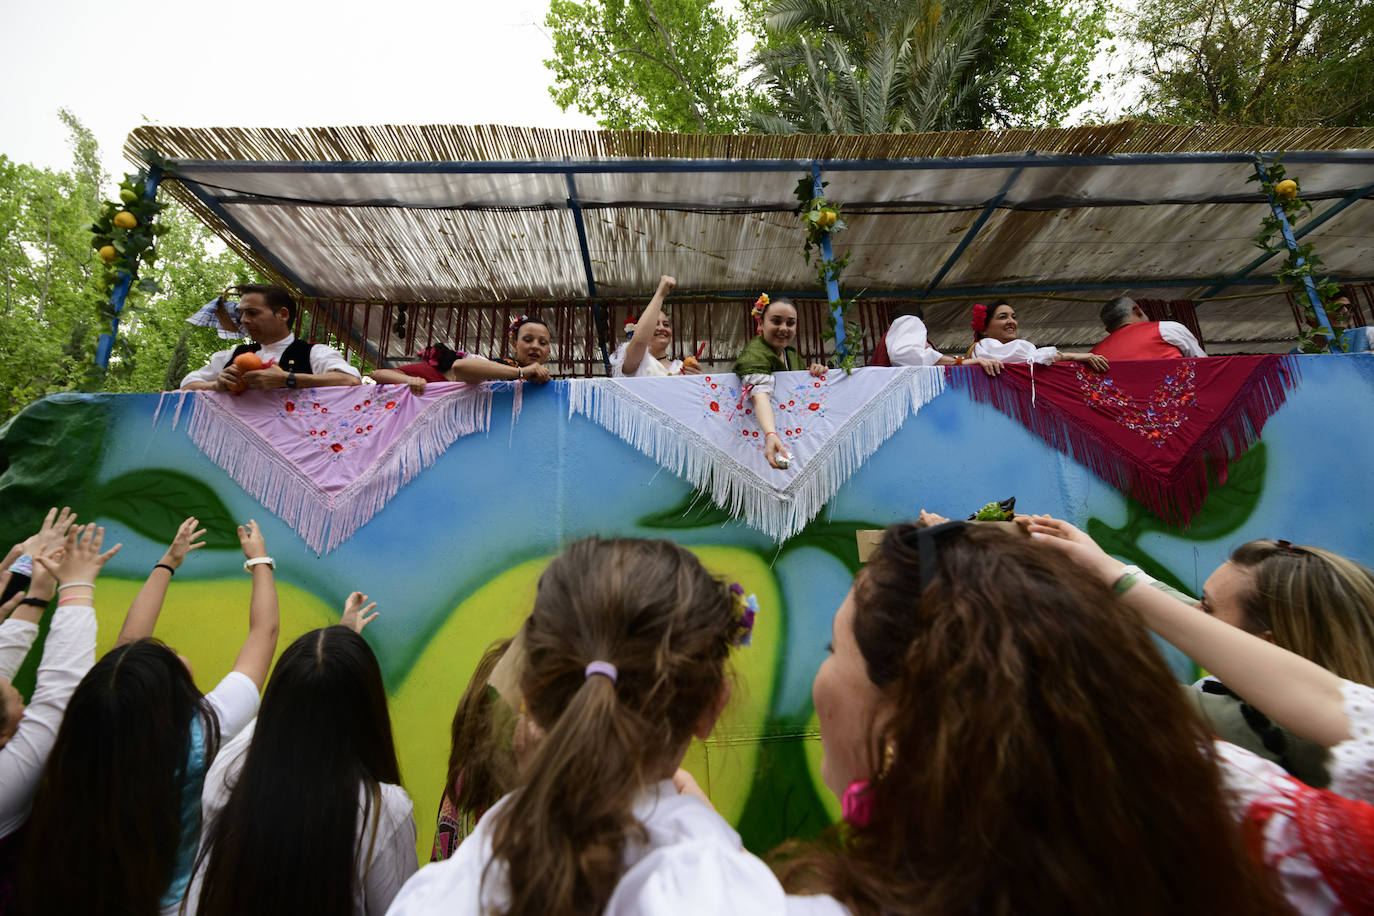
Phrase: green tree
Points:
(647, 64)
(52, 299)
(871, 66)
(1256, 62)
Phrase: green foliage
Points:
(153, 501)
(1256, 62)
(892, 66)
(821, 218)
(647, 64)
(1301, 263)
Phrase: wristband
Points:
(23, 566)
(1130, 577)
(77, 601)
(772, 432)
(258, 561)
(958, 360)
(171, 570)
(37, 602)
(75, 585)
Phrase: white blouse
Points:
(648, 366)
(693, 862)
(1250, 779)
(906, 343)
(1015, 351)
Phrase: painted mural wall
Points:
(454, 558)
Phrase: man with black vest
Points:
(267, 313)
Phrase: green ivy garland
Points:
(1284, 191)
(822, 218)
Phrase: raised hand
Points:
(666, 284)
(51, 533)
(355, 615)
(1060, 535)
(251, 540)
(817, 369)
(188, 538)
(81, 559)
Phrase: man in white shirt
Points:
(1131, 335)
(267, 313)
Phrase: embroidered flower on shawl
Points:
(1155, 419)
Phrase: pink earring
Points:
(856, 805)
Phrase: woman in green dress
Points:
(771, 351)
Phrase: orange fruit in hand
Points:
(248, 362)
(1288, 189)
(125, 220)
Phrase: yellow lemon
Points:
(828, 218)
(1288, 188)
(125, 220)
(108, 253)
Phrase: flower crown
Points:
(745, 610)
(515, 325)
(760, 306)
(980, 319)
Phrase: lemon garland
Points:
(125, 234)
(1284, 191)
(821, 219)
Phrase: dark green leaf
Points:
(695, 511)
(154, 502)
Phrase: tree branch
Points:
(693, 95)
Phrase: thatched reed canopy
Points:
(1058, 220)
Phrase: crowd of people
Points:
(997, 724)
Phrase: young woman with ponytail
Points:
(625, 662)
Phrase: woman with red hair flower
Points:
(994, 331)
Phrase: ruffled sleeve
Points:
(1351, 763)
(1015, 351)
(906, 343)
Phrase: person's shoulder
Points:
(454, 885)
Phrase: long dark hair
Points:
(1042, 758)
(287, 840)
(480, 768)
(106, 819)
(652, 611)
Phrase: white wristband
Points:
(258, 561)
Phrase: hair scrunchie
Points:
(980, 319)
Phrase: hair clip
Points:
(1286, 545)
(980, 318)
(746, 610)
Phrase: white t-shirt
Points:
(693, 862)
(906, 343)
(392, 844)
(322, 359)
(648, 366)
(1014, 351)
(68, 653)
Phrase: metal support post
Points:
(576, 209)
(123, 282)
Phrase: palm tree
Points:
(869, 66)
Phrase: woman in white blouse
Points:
(645, 354)
(995, 331)
(304, 810)
(1317, 844)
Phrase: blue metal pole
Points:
(123, 282)
(832, 286)
(1312, 296)
(576, 207)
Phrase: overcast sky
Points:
(255, 63)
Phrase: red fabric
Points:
(880, 357)
(1337, 835)
(1151, 428)
(1138, 340)
(424, 371)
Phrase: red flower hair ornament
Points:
(980, 319)
(760, 306)
(515, 325)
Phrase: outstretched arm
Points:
(255, 658)
(644, 326)
(1296, 693)
(397, 377)
(477, 369)
(141, 619)
(355, 615)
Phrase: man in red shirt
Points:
(1130, 335)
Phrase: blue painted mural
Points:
(453, 559)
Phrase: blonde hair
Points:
(1317, 603)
